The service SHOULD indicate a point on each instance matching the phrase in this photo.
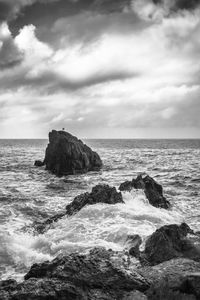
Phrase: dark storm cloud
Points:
(102, 62)
(75, 15)
(44, 13)
(179, 4)
(10, 55)
(9, 9)
(87, 28)
(5, 11)
(49, 10)
(49, 82)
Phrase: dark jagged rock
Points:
(126, 186)
(43, 289)
(101, 274)
(176, 279)
(133, 243)
(38, 163)
(99, 194)
(170, 241)
(65, 155)
(152, 190)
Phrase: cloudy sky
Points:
(100, 68)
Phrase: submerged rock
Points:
(41, 227)
(101, 274)
(65, 155)
(101, 193)
(152, 190)
(38, 163)
(170, 241)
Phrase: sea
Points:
(29, 194)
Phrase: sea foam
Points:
(95, 225)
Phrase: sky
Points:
(100, 68)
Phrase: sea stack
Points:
(67, 155)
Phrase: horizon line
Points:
(120, 138)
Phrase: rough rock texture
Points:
(65, 155)
(152, 190)
(101, 274)
(171, 241)
(176, 279)
(99, 194)
(126, 186)
(133, 243)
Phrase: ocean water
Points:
(29, 194)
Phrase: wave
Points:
(95, 225)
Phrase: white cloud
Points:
(146, 78)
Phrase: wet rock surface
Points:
(99, 194)
(66, 154)
(152, 190)
(176, 279)
(133, 243)
(171, 241)
(171, 271)
(101, 274)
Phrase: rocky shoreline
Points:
(167, 268)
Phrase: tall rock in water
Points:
(152, 190)
(65, 155)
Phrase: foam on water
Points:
(29, 194)
(95, 225)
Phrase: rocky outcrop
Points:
(171, 272)
(152, 190)
(126, 186)
(67, 155)
(101, 274)
(176, 279)
(99, 194)
(169, 242)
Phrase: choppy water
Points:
(29, 194)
